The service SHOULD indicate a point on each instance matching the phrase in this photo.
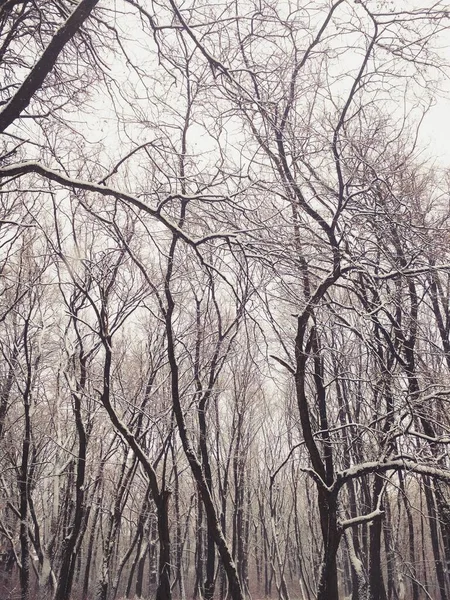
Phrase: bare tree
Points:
(242, 262)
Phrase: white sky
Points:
(435, 133)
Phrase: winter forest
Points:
(224, 300)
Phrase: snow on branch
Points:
(397, 464)
(45, 64)
(412, 272)
(361, 519)
(17, 170)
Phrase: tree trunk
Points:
(162, 508)
(328, 581)
(23, 495)
(433, 518)
(234, 586)
(376, 582)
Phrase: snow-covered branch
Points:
(361, 519)
(397, 464)
(17, 170)
(45, 64)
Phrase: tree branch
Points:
(45, 64)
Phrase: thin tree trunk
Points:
(23, 495)
(234, 586)
(68, 562)
(376, 581)
(432, 520)
(90, 552)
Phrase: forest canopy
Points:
(224, 300)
